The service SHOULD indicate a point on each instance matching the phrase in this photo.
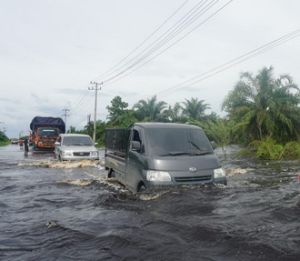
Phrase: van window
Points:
(178, 141)
(136, 136)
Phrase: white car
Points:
(75, 147)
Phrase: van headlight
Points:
(219, 173)
(94, 153)
(160, 176)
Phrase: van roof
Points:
(148, 125)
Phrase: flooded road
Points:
(63, 213)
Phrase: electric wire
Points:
(156, 42)
(187, 20)
(117, 78)
(145, 40)
(218, 69)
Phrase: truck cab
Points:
(44, 137)
(44, 132)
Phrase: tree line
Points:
(3, 139)
(262, 113)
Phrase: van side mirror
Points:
(135, 146)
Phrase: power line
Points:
(160, 38)
(80, 103)
(145, 40)
(119, 76)
(248, 55)
(167, 36)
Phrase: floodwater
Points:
(62, 212)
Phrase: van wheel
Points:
(141, 187)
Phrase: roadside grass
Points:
(4, 143)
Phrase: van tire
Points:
(141, 187)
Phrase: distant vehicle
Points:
(14, 141)
(150, 155)
(44, 132)
(75, 147)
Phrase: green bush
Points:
(270, 150)
(3, 139)
(292, 150)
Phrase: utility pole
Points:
(65, 115)
(95, 88)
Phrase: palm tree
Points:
(265, 107)
(150, 109)
(174, 114)
(195, 109)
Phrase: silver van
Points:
(150, 155)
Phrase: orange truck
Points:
(44, 132)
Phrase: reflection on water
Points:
(71, 213)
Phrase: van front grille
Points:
(193, 178)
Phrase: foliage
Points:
(150, 110)
(264, 107)
(119, 115)
(72, 129)
(100, 129)
(194, 109)
(263, 111)
(3, 139)
(217, 130)
(270, 150)
(174, 114)
(292, 150)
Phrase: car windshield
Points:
(178, 141)
(77, 141)
(48, 132)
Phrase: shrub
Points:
(270, 150)
(292, 150)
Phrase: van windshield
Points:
(178, 141)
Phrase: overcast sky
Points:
(51, 49)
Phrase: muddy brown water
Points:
(64, 213)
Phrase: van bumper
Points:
(172, 184)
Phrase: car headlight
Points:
(219, 173)
(94, 153)
(153, 175)
(67, 153)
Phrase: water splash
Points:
(61, 164)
